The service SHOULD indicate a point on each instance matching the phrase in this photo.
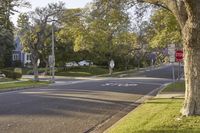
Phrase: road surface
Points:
(75, 106)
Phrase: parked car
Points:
(71, 64)
(85, 63)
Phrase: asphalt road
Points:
(75, 106)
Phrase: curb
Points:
(20, 88)
(111, 120)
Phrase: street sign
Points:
(179, 55)
(38, 62)
(51, 61)
(171, 52)
(112, 64)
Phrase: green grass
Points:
(82, 71)
(5, 80)
(175, 87)
(157, 116)
(22, 84)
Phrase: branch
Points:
(177, 7)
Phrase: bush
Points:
(18, 70)
(17, 63)
(11, 74)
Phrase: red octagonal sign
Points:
(179, 55)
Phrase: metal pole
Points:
(173, 75)
(179, 65)
(53, 55)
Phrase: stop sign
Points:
(179, 55)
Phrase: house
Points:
(18, 54)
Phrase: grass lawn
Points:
(175, 87)
(5, 80)
(83, 71)
(159, 115)
(119, 73)
(22, 84)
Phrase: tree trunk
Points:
(191, 39)
(46, 67)
(34, 60)
(35, 69)
(127, 60)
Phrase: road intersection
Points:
(77, 105)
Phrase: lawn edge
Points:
(119, 116)
(22, 88)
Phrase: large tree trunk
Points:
(34, 59)
(46, 66)
(191, 39)
(35, 70)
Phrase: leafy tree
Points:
(164, 29)
(6, 47)
(70, 38)
(105, 21)
(186, 13)
(6, 32)
(125, 45)
(35, 36)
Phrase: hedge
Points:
(11, 74)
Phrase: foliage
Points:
(17, 63)
(6, 47)
(7, 8)
(163, 29)
(35, 37)
(82, 71)
(11, 74)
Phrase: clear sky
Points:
(42, 3)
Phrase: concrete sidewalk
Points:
(170, 95)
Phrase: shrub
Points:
(18, 70)
(11, 74)
(17, 63)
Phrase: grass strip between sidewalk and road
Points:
(23, 84)
(6, 80)
(175, 87)
(158, 115)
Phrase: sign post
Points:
(111, 65)
(171, 52)
(51, 65)
(179, 59)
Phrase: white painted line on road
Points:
(148, 83)
(69, 83)
(120, 84)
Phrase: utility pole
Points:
(53, 55)
(52, 59)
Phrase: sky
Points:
(43, 3)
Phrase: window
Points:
(28, 57)
(15, 57)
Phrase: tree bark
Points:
(187, 14)
(191, 39)
(35, 69)
(34, 59)
(46, 66)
